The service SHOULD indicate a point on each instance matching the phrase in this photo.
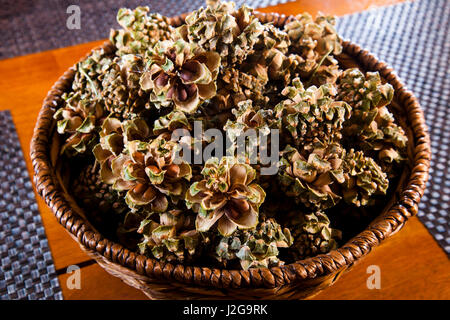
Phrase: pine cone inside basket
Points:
(295, 140)
(102, 204)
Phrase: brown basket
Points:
(159, 280)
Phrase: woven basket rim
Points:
(332, 262)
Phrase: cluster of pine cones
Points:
(339, 143)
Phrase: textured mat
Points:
(27, 270)
(35, 25)
(414, 38)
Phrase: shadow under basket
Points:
(302, 279)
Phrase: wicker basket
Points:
(298, 280)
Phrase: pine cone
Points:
(95, 194)
(121, 91)
(386, 142)
(170, 122)
(114, 136)
(254, 248)
(173, 238)
(312, 234)
(148, 174)
(141, 30)
(79, 119)
(364, 93)
(312, 114)
(371, 126)
(86, 79)
(227, 195)
(327, 73)
(271, 38)
(270, 57)
(177, 74)
(313, 41)
(248, 117)
(220, 28)
(310, 179)
(363, 178)
(235, 86)
(83, 110)
(104, 207)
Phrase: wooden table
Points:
(412, 264)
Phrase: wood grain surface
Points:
(412, 265)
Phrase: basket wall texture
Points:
(302, 279)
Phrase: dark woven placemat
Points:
(27, 270)
(35, 25)
(414, 38)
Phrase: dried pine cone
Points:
(88, 71)
(312, 40)
(311, 179)
(121, 91)
(254, 248)
(234, 86)
(222, 29)
(385, 141)
(95, 194)
(147, 172)
(178, 74)
(364, 93)
(312, 114)
(312, 234)
(79, 118)
(327, 73)
(227, 195)
(269, 59)
(114, 136)
(247, 116)
(170, 122)
(371, 126)
(83, 110)
(271, 38)
(363, 178)
(172, 238)
(141, 30)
